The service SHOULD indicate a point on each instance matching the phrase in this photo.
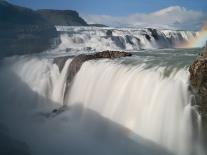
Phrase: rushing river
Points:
(134, 105)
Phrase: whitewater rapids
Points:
(153, 102)
(107, 38)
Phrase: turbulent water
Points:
(122, 39)
(133, 105)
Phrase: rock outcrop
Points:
(97, 25)
(198, 77)
(77, 62)
(24, 31)
(154, 33)
(198, 81)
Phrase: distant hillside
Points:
(13, 14)
(63, 17)
(23, 31)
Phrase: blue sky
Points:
(172, 14)
(113, 7)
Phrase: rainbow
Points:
(199, 41)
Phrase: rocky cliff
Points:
(198, 81)
(24, 31)
(198, 77)
(62, 17)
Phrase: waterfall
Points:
(150, 101)
(143, 100)
(93, 38)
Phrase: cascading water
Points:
(147, 93)
(143, 100)
(121, 39)
(151, 101)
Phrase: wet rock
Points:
(198, 81)
(60, 61)
(147, 37)
(198, 77)
(109, 33)
(154, 33)
(77, 62)
(119, 41)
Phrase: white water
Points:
(153, 106)
(150, 104)
(92, 38)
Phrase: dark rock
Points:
(109, 33)
(77, 62)
(112, 54)
(60, 61)
(147, 37)
(198, 76)
(24, 31)
(119, 41)
(63, 17)
(198, 81)
(154, 33)
(57, 111)
(97, 25)
(129, 39)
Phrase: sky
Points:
(179, 14)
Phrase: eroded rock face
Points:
(198, 77)
(77, 62)
(198, 80)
